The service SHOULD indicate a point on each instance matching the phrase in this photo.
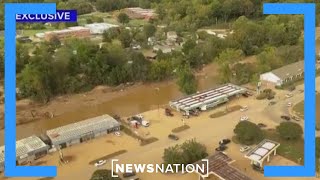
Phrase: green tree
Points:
(125, 38)
(187, 153)
(187, 81)
(160, 70)
(149, 30)
(242, 73)
(248, 133)
(193, 151)
(123, 18)
(89, 21)
(290, 130)
(103, 174)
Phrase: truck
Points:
(141, 120)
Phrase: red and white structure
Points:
(207, 99)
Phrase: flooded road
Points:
(139, 100)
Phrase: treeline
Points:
(184, 15)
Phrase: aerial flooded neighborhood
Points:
(160, 89)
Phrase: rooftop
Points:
(289, 70)
(219, 165)
(208, 96)
(77, 129)
(262, 150)
(25, 146)
(70, 29)
(100, 25)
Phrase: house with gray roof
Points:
(284, 74)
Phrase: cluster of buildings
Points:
(139, 13)
(77, 31)
(35, 147)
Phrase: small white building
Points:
(262, 152)
(284, 74)
(99, 28)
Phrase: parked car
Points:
(289, 104)
(244, 148)
(221, 148)
(117, 133)
(244, 108)
(224, 141)
(289, 95)
(257, 168)
(128, 174)
(100, 163)
(272, 103)
(173, 137)
(168, 112)
(295, 118)
(261, 125)
(244, 118)
(285, 117)
(245, 95)
(270, 97)
(292, 88)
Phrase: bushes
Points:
(248, 133)
(186, 153)
(290, 130)
(267, 93)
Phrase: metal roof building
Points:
(27, 149)
(82, 131)
(219, 165)
(262, 151)
(99, 28)
(207, 99)
(284, 74)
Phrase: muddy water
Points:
(137, 101)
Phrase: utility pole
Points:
(157, 91)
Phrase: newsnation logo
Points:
(60, 16)
(117, 168)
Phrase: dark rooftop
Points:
(219, 164)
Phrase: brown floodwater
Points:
(133, 102)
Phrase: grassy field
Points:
(292, 150)
(299, 109)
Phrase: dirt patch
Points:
(39, 163)
(225, 112)
(69, 158)
(110, 142)
(145, 142)
(109, 156)
(180, 129)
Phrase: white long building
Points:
(207, 99)
(99, 28)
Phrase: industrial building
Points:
(27, 150)
(262, 151)
(207, 99)
(283, 75)
(139, 13)
(77, 31)
(219, 165)
(82, 131)
(99, 28)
